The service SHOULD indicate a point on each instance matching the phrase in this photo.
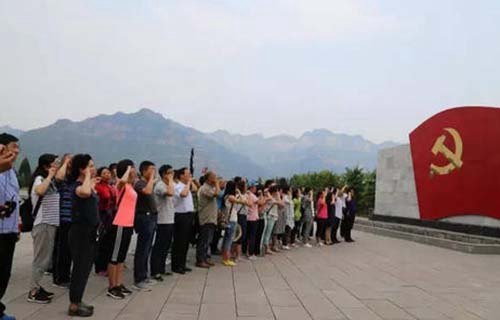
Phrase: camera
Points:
(7, 209)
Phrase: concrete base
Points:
(439, 238)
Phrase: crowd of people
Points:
(84, 217)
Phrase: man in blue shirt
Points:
(9, 216)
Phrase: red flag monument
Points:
(456, 160)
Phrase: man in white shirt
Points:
(184, 212)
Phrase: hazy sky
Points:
(376, 68)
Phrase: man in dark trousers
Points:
(146, 214)
(207, 215)
(9, 212)
(184, 212)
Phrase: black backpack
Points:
(27, 214)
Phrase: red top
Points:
(322, 209)
(107, 196)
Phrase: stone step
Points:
(441, 238)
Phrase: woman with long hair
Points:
(308, 216)
(321, 218)
(330, 204)
(83, 232)
(232, 204)
(242, 219)
(297, 214)
(45, 200)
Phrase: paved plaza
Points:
(374, 278)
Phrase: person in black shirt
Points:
(83, 232)
(144, 225)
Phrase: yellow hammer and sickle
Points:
(455, 158)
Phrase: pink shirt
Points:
(253, 210)
(126, 211)
(322, 209)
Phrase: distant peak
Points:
(62, 122)
(221, 132)
(319, 132)
(149, 112)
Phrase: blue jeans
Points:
(228, 236)
(268, 231)
(144, 226)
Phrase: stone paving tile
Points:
(291, 313)
(362, 313)
(387, 310)
(374, 278)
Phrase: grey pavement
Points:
(374, 278)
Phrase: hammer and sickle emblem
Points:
(454, 158)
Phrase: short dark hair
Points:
(80, 161)
(180, 172)
(237, 179)
(268, 183)
(112, 166)
(163, 169)
(241, 185)
(6, 138)
(122, 166)
(273, 189)
(203, 179)
(145, 166)
(101, 169)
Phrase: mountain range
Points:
(148, 135)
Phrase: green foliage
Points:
(316, 180)
(355, 178)
(24, 174)
(367, 197)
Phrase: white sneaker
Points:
(252, 258)
(320, 244)
(286, 248)
(307, 245)
(142, 286)
(151, 282)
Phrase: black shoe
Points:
(350, 240)
(38, 297)
(87, 306)
(48, 294)
(158, 278)
(124, 290)
(166, 274)
(186, 269)
(179, 271)
(115, 293)
(81, 311)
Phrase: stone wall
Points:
(396, 194)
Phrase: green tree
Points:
(24, 173)
(362, 182)
(367, 197)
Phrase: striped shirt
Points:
(49, 208)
